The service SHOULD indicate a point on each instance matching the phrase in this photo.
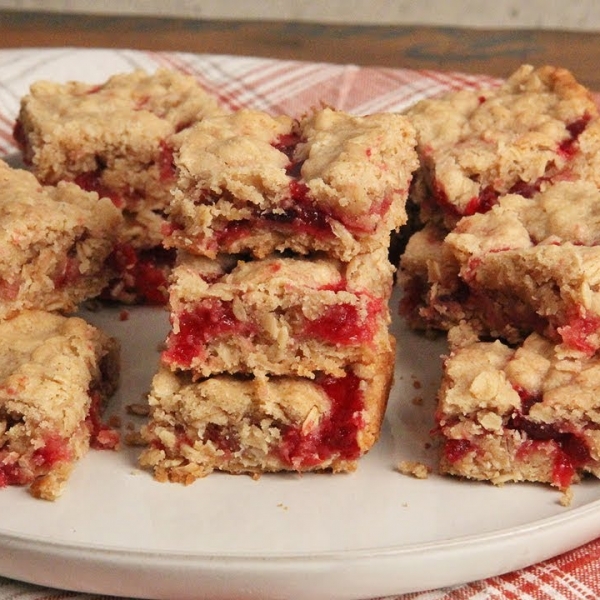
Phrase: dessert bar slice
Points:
(477, 145)
(249, 182)
(528, 264)
(530, 413)
(280, 315)
(261, 424)
(533, 264)
(55, 375)
(55, 243)
(115, 138)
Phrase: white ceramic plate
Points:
(372, 533)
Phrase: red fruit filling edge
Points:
(334, 437)
(211, 319)
(569, 449)
(488, 195)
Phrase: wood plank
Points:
(494, 52)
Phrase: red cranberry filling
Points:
(336, 434)
(223, 437)
(210, 319)
(69, 272)
(568, 147)
(455, 450)
(488, 196)
(340, 324)
(527, 190)
(527, 399)
(91, 181)
(571, 450)
(166, 164)
(286, 143)
(302, 215)
(13, 473)
(54, 450)
(94, 89)
(440, 197)
(102, 436)
(482, 203)
(42, 460)
(143, 274)
(576, 333)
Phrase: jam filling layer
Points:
(102, 436)
(340, 325)
(570, 452)
(579, 329)
(141, 274)
(336, 434)
(209, 320)
(299, 216)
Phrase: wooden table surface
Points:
(495, 52)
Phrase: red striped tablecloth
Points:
(292, 87)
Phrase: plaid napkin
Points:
(292, 87)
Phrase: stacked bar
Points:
(507, 260)
(279, 356)
(536, 130)
(92, 228)
(56, 372)
(117, 139)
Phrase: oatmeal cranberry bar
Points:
(55, 375)
(116, 139)
(264, 423)
(55, 243)
(528, 264)
(475, 146)
(524, 414)
(280, 315)
(533, 264)
(249, 182)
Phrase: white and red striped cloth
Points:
(290, 87)
(272, 85)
